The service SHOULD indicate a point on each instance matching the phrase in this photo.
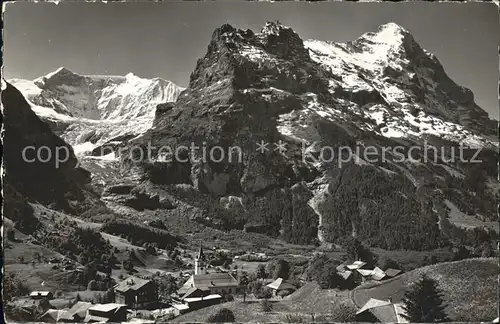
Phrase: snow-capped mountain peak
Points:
(99, 97)
(60, 76)
(392, 28)
(106, 106)
(389, 64)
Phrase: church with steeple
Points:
(204, 283)
(200, 262)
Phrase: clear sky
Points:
(165, 39)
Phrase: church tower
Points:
(200, 262)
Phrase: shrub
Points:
(88, 244)
(128, 265)
(261, 271)
(13, 287)
(279, 269)
(358, 251)
(93, 285)
(11, 235)
(387, 263)
(42, 307)
(266, 305)
(283, 293)
(138, 234)
(223, 315)
(293, 318)
(324, 271)
(110, 295)
(343, 313)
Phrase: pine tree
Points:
(243, 283)
(424, 303)
(261, 271)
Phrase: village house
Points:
(78, 311)
(356, 265)
(378, 274)
(55, 316)
(26, 304)
(104, 313)
(208, 284)
(281, 285)
(136, 292)
(381, 311)
(75, 314)
(180, 309)
(351, 277)
(41, 294)
(202, 283)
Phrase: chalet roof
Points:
(373, 303)
(40, 293)
(198, 299)
(163, 311)
(93, 318)
(180, 306)
(384, 311)
(140, 321)
(365, 272)
(392, 272)
(280, 284)
(80, 309)
(345, 274)
(203, 281)
(356, 265)
(106, 307)
(385, 314)
(186, 289)
(378, 276)
(191, 291)
(341, 268)
(56, 314)
(131, 283)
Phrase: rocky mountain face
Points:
(308, 141)
(39, 167)
(88, 111)
(380, 91)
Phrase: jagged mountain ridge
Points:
(409, 80)
(88, 111)
(375, 91)
(101, 97)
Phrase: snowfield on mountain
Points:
(88, 111)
